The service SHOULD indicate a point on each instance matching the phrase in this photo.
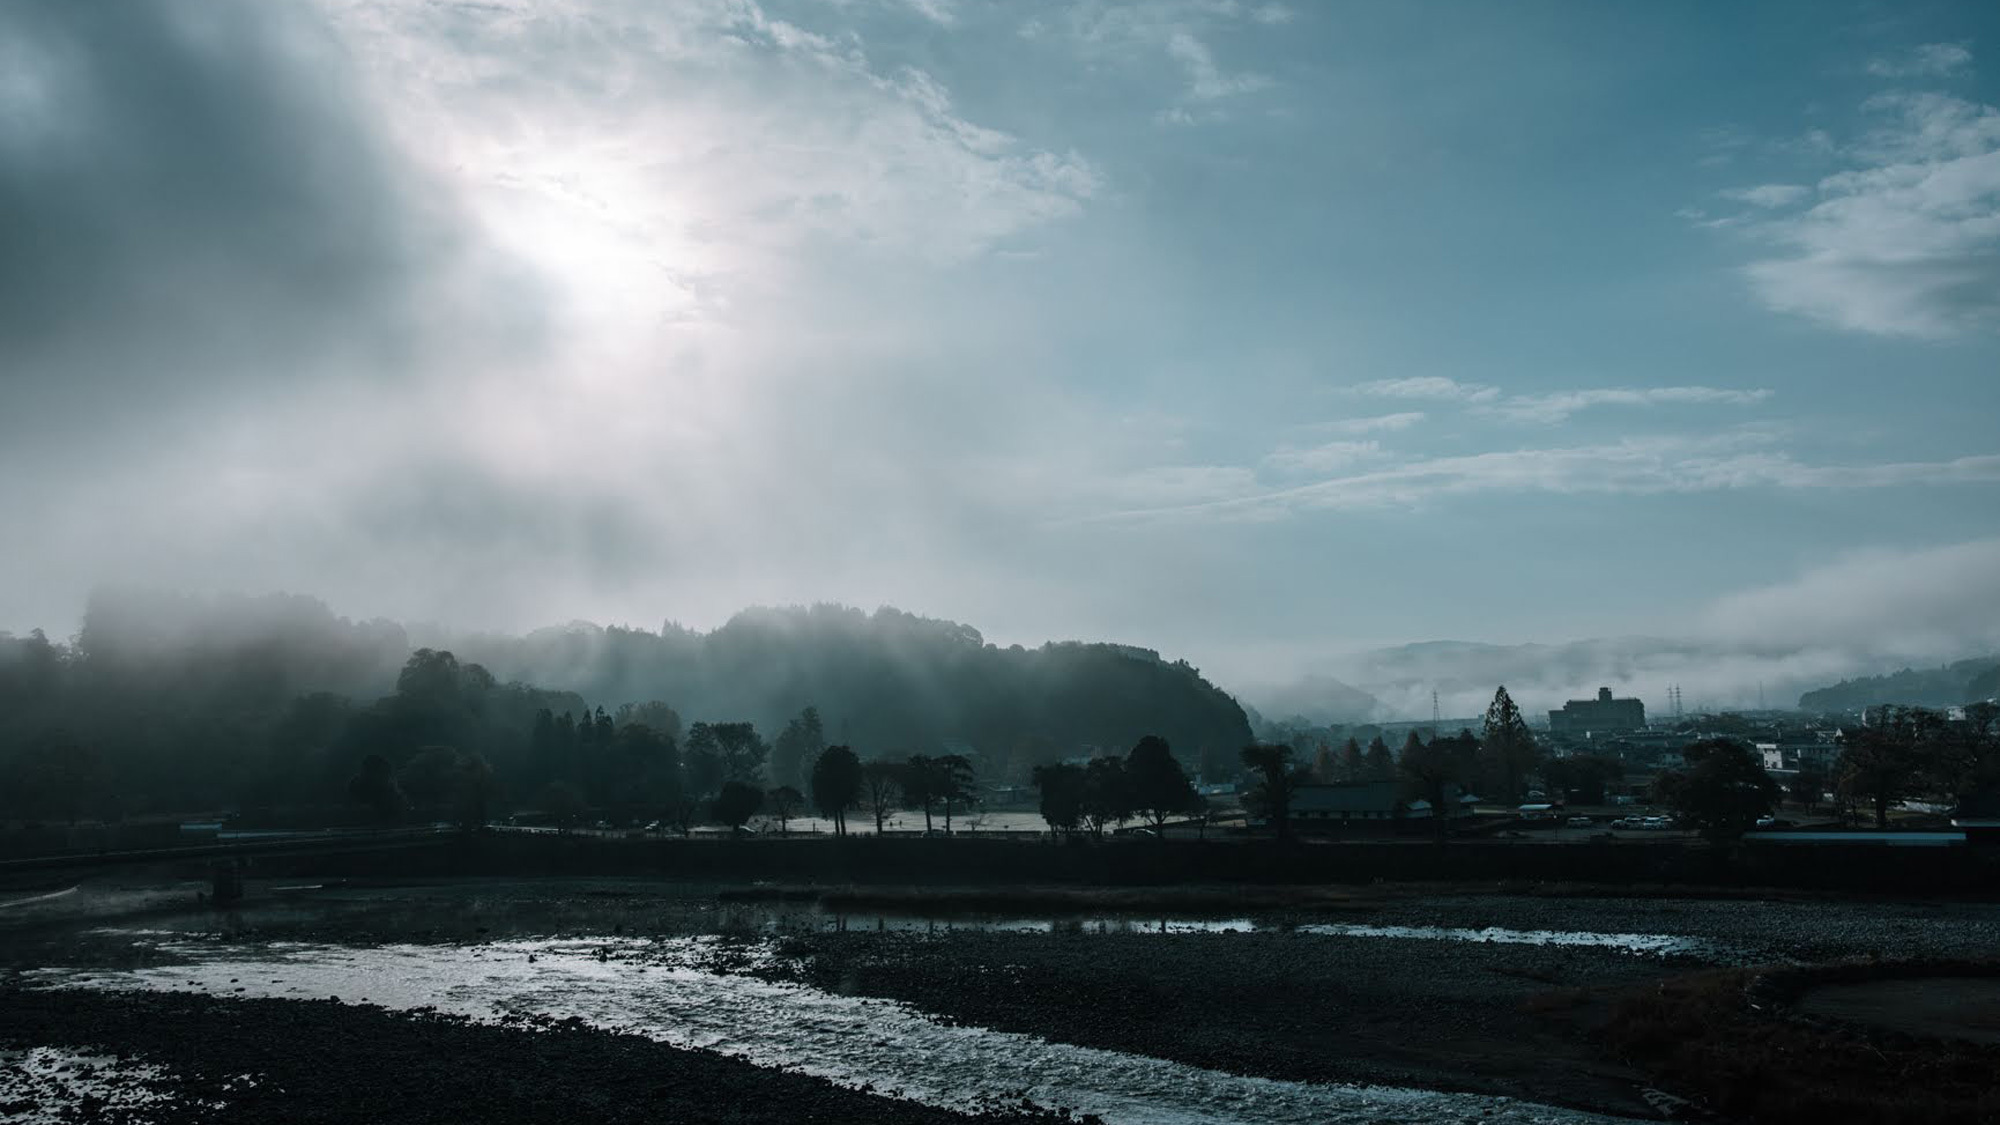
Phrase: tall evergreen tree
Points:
(1507, 747)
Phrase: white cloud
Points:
(1649, 466)
(1206, 81)
(1178, 31)
(1380, 423)
(1323, 458)
(939, 12)
(1560, 405)
(1769, 195)
(1435, 388)
(1931, 60)
(1932, 601)
(1906, 243)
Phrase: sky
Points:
(1255, 332)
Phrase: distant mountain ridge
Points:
(1949, 686)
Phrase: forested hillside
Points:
(172, 703)
(1947, 686)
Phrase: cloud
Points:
(1380, 423)
(1206, 81)
(1905, 243)
(940, 12)
(190, 209)
(1931, 60)
(1918, 601)
(1434, 388)
(1650, 466)
(487, 313)
(1322, 458)
(1769, 195)
(1178, 31)
(1557, 407)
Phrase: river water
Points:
(695, 992)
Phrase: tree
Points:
(375, 788)
(1429, 772)
(954, 783)
(1507, 745)
(1723, 791)
(740, 751)
(1353, 766)
(1378, 764)
(881, 790)
(1880, 766)
(790, 755)
(1808, 786)
(1326, 764)
(1107, 794)
(1583, 779)
(1276, 780)
(785, 803)
(737, 803)
(919, 782)
(1160, 788)
(836, 785)
(1062, 796)
(702, 769)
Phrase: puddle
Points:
(669, 990)
(1657, 945)
(49, 1084)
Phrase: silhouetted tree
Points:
(1508, 746)
(1061, 787)
(1885, 760)
(742, 753)
(954, 784)
(881, 790)
(919, 782)
(837, 779)
(1107, 794)
(1378, 764)
(1582, 779)
(1160, 788)
(784, 803)
(1723, 790)
(1275, 781)
(1429, 771)
(375, 789)
(736, 803)
(1353, 766)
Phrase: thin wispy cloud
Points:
(1930, 60)
(1178, 34)
(1379, 423)
(1431, 388)
(1323, 458)
(1768, 195)
(1559, 406)
(1636, 467)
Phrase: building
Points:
(1603, 715)
(1377, 805)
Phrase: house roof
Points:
(1351, 797)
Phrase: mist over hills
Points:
(1393, 683)
(279, 693)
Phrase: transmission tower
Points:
(1437, 717)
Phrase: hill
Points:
(1946, 686)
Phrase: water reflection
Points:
(674, 990)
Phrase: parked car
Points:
(1580, 822)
